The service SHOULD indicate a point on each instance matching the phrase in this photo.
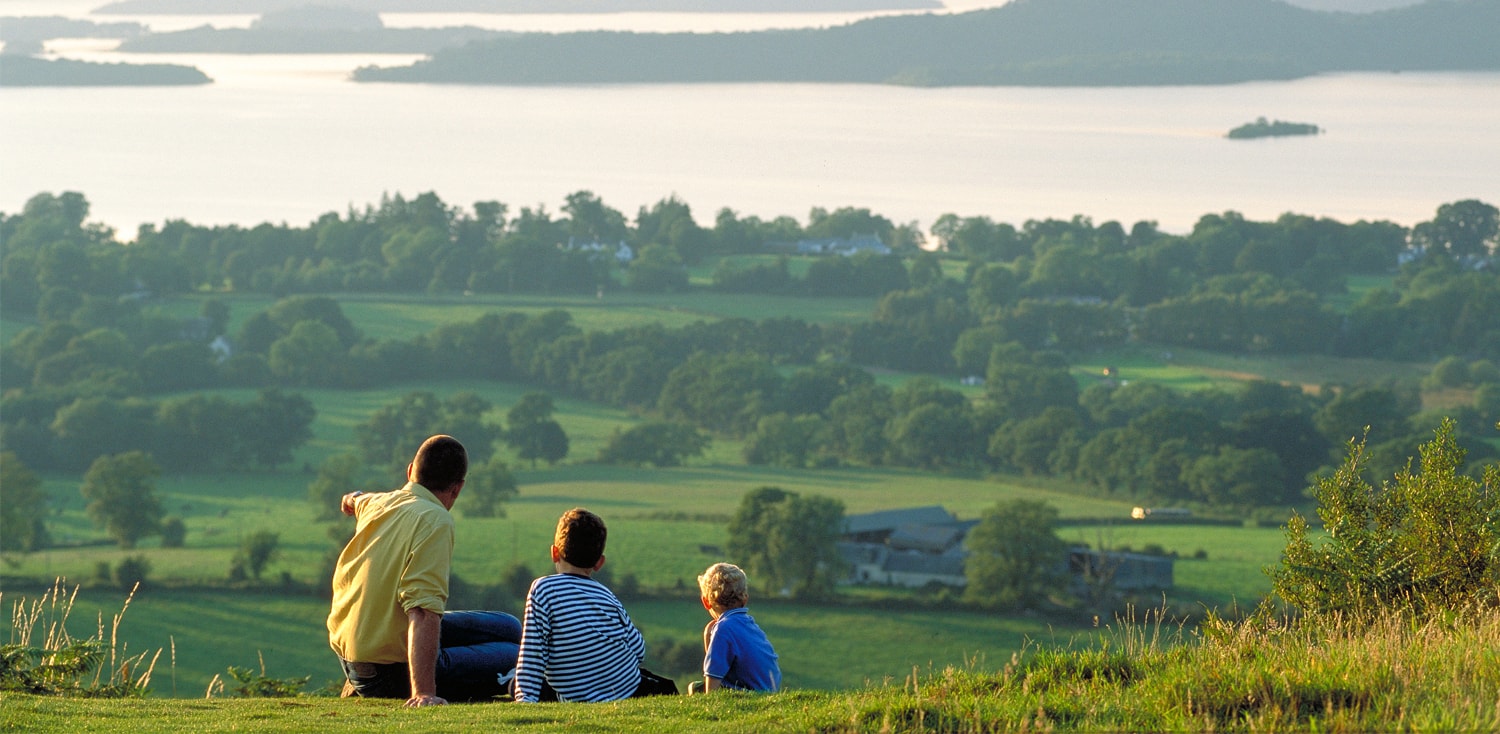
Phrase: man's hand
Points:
(419, 701)
(346, 505)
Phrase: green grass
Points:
(1193, 369)
(404, 317)
(1329, 676)
(203, 632)
(1358, 286)
(220, 509)
(1232, 574)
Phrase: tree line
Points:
(78, 384)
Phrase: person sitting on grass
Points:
(388, 622)
(577, 642)
(736, 653)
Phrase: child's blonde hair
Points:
(724, 585)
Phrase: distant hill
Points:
(25, 71)
(307, 40)
(1027, 42)
(1353, 6)
(255, 7)
(42, 28)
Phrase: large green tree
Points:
(121, 494)
(788, 543)
(1015, 557)
(23, 505)
(658, 443)
(489, 486)
(532, 432)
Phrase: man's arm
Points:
(422, 631)
(346, 503)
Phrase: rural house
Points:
(917, 546)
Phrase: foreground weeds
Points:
(42, 658)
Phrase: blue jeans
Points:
(475, 648)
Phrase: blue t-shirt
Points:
(740, 655)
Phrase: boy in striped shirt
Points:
(577, 642)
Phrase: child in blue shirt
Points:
(736, 651)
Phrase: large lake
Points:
(286, 138)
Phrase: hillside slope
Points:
(1043, 42)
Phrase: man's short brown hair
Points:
(441, 463)
(580, 537)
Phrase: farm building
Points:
(917, 546)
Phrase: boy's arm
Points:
(531, 663)
(710, 683)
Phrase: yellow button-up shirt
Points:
(397, 560)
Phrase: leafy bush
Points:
(249, 684)
(132, 571)
(1428, 539)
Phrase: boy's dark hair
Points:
(440, 463)
(580, 537)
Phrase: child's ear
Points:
(708, 605)
(600, 564)
(556, 554)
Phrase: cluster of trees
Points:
(417, 245)
(1230, 284)
(191, 432)
(1424, 539)
(387, 438)
(73, 384)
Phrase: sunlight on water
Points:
(287, 138)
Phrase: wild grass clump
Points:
(1397, 671)
(43, 658)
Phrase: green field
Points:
(204, 632)
(1194, 369)
(666, 524)
(403, 317)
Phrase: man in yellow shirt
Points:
(390, 587)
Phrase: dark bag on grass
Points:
(654, 685)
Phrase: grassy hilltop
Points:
(1397, 675)
(661, 519)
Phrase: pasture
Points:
(202, 632)
(666, 524)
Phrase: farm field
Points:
(666, 524)
(403, 317)
(1193, 369)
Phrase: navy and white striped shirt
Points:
(579, 640)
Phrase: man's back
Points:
(398, 559)
(578, 639)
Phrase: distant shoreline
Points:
(26, 71)
(530, 7)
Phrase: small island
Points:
(1263, 128)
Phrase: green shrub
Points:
(173, 532)
(131, 571)
(1427, 539)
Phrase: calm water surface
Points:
(286, 138)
